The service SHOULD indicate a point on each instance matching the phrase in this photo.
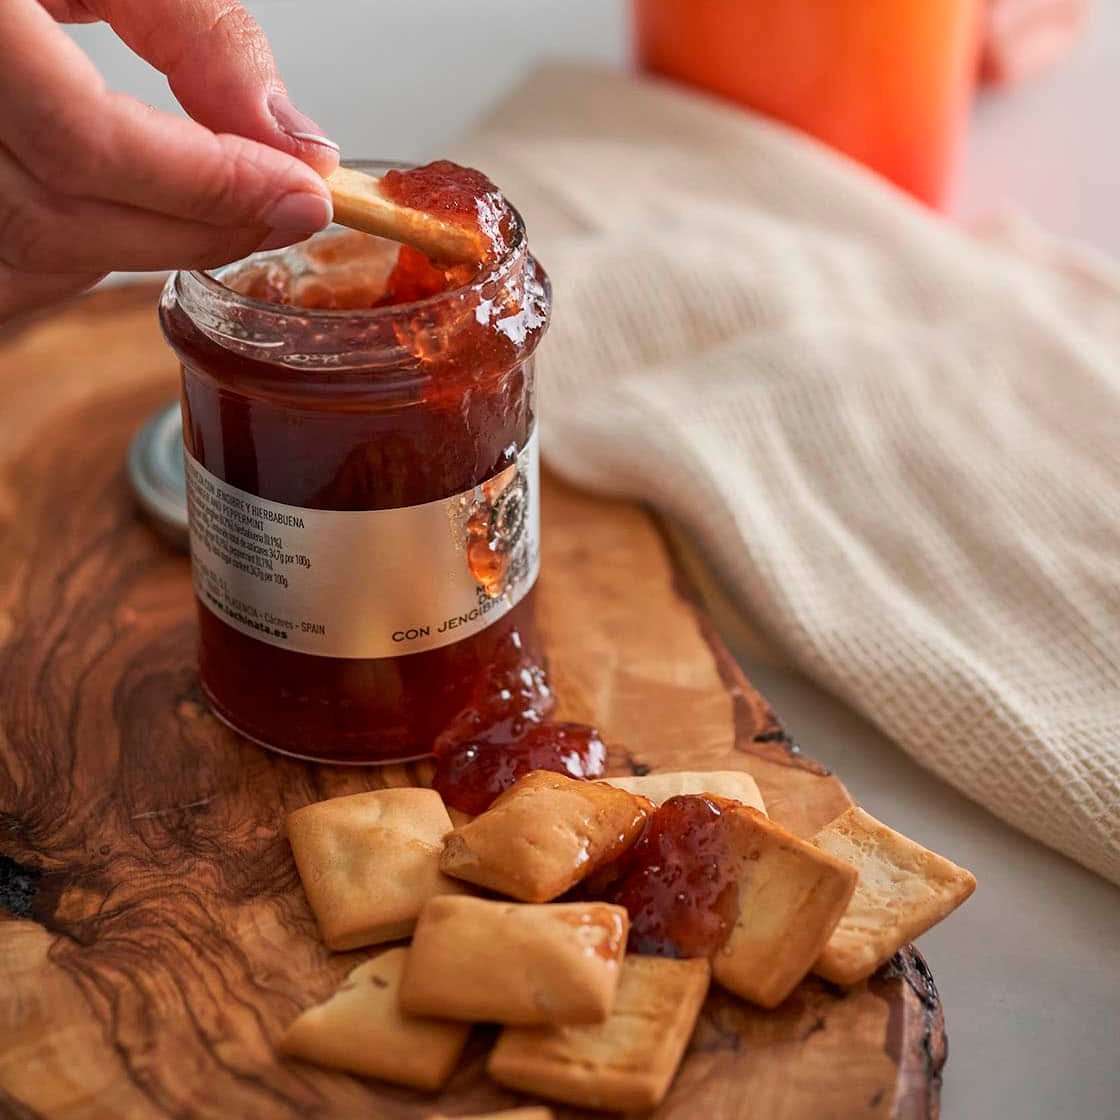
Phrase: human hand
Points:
(92, 180)
(1023, 38)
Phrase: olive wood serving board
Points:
(154, 937)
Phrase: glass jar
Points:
(364, 503)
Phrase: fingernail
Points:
(301, 211)
(297, 125)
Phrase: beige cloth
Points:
(899, 443)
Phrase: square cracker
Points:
(626, 1063)
(543, 835)
(361, 1029)
(370, 861)
(513, 962)
(658, 788)
(790, 897)
(903, 890)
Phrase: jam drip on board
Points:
(504, 733)
(675, 882)
(470, 774)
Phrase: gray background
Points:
(1030, 969)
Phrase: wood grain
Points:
(157, 940)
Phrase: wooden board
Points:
(157, 939)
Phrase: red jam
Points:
(469, 775)
(443, 402)
(512, 693)
(676, 882)
(457, 194)
(504, 733)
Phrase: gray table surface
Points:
(1029, 969)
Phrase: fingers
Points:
(143, 158)
(299, 134)
(60, 123)
(220, 67)
(83, 236)
(20, 293)
(46, 232)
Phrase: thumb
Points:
(220, 68)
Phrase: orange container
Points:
(889, 82)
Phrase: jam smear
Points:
(609, 944)
(493, 529)
(486, 557)
(676, 882)
(457, 194)
(504, 733)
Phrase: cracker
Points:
(510, 962)
(658, 788)
(370, 861)
(903, 890)
(790, 897)
(626, 1063)
(543, 835)
(361, 1029)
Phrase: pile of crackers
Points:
(583, 1021)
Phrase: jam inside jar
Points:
(363, 486)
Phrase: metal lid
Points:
(155, 469)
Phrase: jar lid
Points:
(155, 470)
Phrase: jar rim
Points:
(212, 286)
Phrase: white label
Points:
(367, 583)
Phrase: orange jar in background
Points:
(888, 82)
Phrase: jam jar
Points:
(363, 488)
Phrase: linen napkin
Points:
(897, 442)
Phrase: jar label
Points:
(367, 583)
